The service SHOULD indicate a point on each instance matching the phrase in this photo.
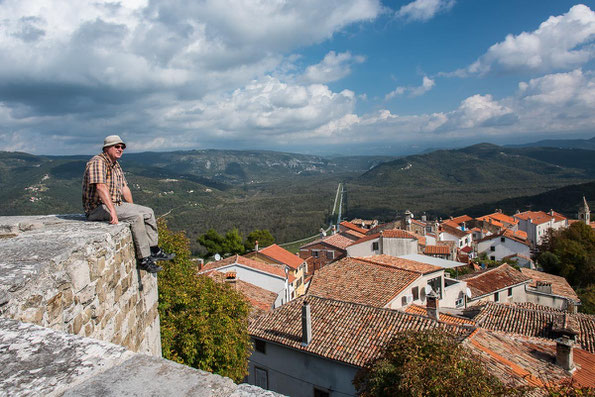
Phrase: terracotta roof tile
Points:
(492, 280)
(402, 263)
(351, 234)
(444, 317)
(238, 259)
(389, 233)
(460, 219)
(260, 299)
(341, 331)
(528, 361)
(281, 255)
(454, 231)
(437, 250)
(537, 217)
(359, 281)
(351, 226)
(535, 322)
(334, 240)
(559, 284)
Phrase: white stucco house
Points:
(393, 242)
(270, 277)
(536, 224)
(502, 245)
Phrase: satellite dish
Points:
(217, 257)
(468, 292)
(428, 289)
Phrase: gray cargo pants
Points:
(142, 223)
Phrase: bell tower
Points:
(584, 214)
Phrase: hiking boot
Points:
(159, 255)
(147, 264)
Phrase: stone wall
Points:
(79, 277)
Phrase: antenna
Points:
(428, 289)
(468, 292)
(217, 257)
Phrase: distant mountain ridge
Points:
(586, 144)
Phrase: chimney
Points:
(544, 286)
(432, 306)
(256, 246)
(570, 306)
(564, 354)
(334, 229)
(306, 324)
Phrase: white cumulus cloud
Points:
(333, 67)
(426, 85)
(561, 42)
(424, 10)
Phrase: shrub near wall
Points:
(203, 324)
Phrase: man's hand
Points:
(114, 217)
(107, 200)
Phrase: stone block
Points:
(118, 292)
(55, 308)
(86, 295)
(32, 315)
(77, 324)
(33, 301)
(79, 274)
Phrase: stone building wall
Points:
(79, 277)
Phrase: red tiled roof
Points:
(454, 231)
(402, 263)
(508, 234)
(532, 322)
(450, 223)
(260, 299)
(437, 250)
(352, 233)
(282, 255)
(538, 217)
(444, 317)
(237, 259)
(336, 240)
(390, 233)
(351, 226)
(492, 280)
(503, 218)
(467, 249)
(527, 361)
(460, 219)
(341, 331)
(559, 284)
(491, 221)
(355, 280)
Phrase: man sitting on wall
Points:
(106, 197)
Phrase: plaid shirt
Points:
(100, 169)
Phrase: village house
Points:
(448, 232)
(296, 266)
(351, 231)
(325, 250)
(386, 281)
(549, 290)
(532, 362)
(501, 220)
(393, 242)
(536, 321)
(500, 284)
(504, 244)
(365, 223)
(271, 277)
(537, 223)
(260, 299)
(314, 346)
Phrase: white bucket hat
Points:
(112, 140)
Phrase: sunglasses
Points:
(120, 147)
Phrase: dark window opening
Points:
(415, 293)
(496, 297)
(321, 393)
(260, 346)
(261, 377)
(510, 291)
(375, 246)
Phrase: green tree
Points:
(570, 253)
(204, 324)
(213, 242)
(233, 242)
(429, 363)
(264, 238)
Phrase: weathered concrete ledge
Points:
(37, 361)
(79, 277)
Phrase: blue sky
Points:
(344, 76)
